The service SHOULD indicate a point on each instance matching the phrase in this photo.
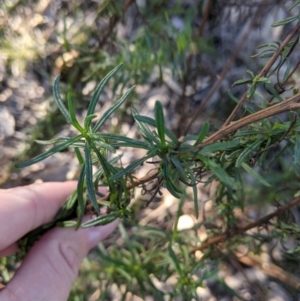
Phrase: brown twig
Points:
(263, 72)
(289, 104)
(224, 236)
(205, 17)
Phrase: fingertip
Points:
(99, 233)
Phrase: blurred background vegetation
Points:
(175, 52)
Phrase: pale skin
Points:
(51, 266)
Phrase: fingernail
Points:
(99, 233)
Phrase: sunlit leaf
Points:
(50, 152)
(98, 92)
(101, 220)
(66, 224)
(112, 109)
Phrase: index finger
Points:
(23, 209)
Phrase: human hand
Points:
(51, 266)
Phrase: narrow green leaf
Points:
(273, 92)
(169, 185)
(267, 55)
(251, 91)
(254, 174)
(66, 224)
(233, 155)
(296, 156)
(137, 144)
(175, 259)
(174, 159)
(160, 122)
(251, 73)
(105, 165)
(99, 90)
(221, 146)
(80, 196)
(59, 101)
(123, 141)
(242, 81)
(52, 141)
(285, 21)
(169, 181)
(79, 156)
(232, 97)
(247, 151)
(74, 121)
(295, 4)
(262, 159)
(273, 44)
(68, 207)
(190, 138)
(104, 145)
(288, 69)
(112, 109)
(99, 173)
(195, 191)
(89, 177)
(88, 120)
(133, 165)
(127, 276)
(152, 122)
(203, 133)
(50, 152)
(101, 220)
(218, 171)
(264, 80)
(143, 128)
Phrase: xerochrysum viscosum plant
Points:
(93, 148)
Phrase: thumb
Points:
(52, 264)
